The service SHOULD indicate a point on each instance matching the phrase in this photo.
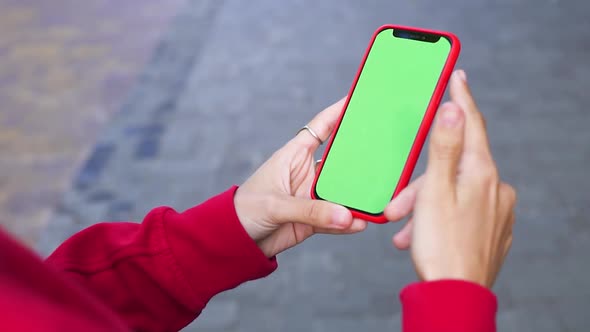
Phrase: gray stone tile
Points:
(218, 315)
(529, 319)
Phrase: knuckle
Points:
(484, 168)
(491, 173)
(483, 160)
(509, 193)
(312, 210)
(488, 175)
(324, 130)
(445, 148)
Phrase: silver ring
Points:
(312, 133)
(317, 162)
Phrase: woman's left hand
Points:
(274, 204)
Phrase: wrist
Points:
(242, 211)
(470, 275)
(248, 207)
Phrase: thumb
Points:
(315, 213)
(446, 146)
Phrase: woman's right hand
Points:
(463, 213)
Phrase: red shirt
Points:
(160, 274)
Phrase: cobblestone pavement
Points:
(233, 80)
(65, 67)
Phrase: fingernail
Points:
(341, 217)
(461, 74)
(450, 116)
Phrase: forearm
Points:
(159, 275)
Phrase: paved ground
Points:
(65, 68)
(233, 80)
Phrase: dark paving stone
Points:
(94, 166)
(147, 147)
(165, 109)
(100, 196)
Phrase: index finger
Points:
(322, 124)
(476, 138)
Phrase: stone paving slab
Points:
(233, 81)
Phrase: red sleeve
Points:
(448, 306)
(160, 274)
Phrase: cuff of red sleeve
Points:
(213, 249)
(448, 305)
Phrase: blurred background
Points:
(110, 108)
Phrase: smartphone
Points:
(373, 150)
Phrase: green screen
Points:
(374, 139)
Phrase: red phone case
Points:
(424, 126)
